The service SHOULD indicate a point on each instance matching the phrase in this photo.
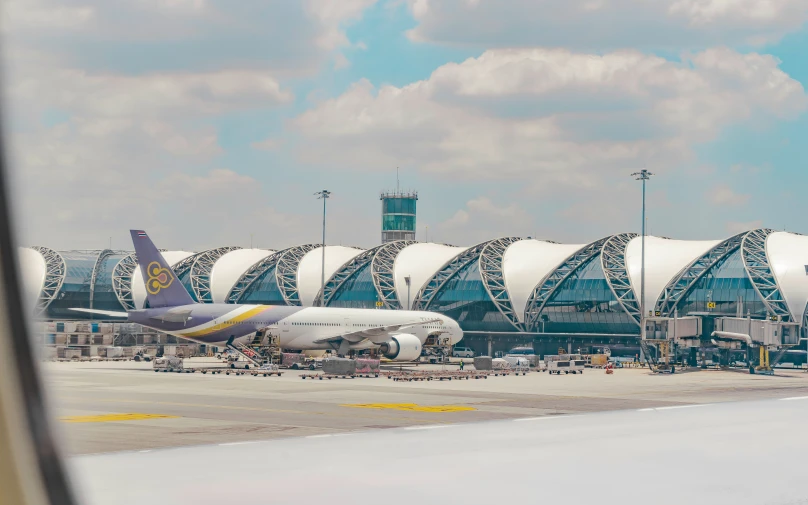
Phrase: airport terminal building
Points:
(508, 290)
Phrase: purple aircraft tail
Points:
(163, 289)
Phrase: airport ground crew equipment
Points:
(255, 372)
(763, 367)
(168, 364)
(564, 363)
(441, 375)
(329, 376)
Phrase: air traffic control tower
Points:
(398, 215)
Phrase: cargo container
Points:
(114, 352)
(70, 353)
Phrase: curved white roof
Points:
(139, 289)
(420, 262)
(788, 257)
(664, 259)
(230, 267)
(310, 269)
(33, 269)
(526, 263)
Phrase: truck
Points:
(567, 363)
(168, 364)
(525, 352)
(577, 363)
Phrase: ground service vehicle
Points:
(463, 352)
(167, 364)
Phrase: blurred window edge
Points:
(31, 469)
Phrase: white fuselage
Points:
(303, 328)
(300, 328)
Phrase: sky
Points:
(212, 123)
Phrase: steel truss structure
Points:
(684, 282)
(184, 266)
(381, 269)
(494, 279)
(251, 275)
(447, 271)
(201, 269)
(55, 272)
(122, 281)
(758, 268)
(101, 257)
(613, 262)
(544, 290)
(804, 329)
(286, 271)
(346, 272)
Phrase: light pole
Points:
(643, 175)
(407, 280)
(323, 195)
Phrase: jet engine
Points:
(401, 347)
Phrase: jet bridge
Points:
(771, 333)
(725, 333)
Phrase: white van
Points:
(462, 352)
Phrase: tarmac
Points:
(107, 407)
(722, 453)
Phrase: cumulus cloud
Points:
(482, 219)
(114, 108)
(605, 23)
(550, 116)
(723, 195)
(164, 94)
(120, 144)
(296, 37)
(22, 15)
(333, 16)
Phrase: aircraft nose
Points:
(456, 333)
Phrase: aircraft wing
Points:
(174, 316)
(377, 334)
(110, 313)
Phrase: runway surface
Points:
(733, 453)
(125, 406)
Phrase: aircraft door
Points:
(346, 325)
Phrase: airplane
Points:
(398, 334)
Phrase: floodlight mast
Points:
(323, 195)
(643, 175)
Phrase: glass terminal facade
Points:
(574, 297)
(584, 303)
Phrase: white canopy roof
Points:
(788, 257)
(420, 262)
(310, 269)
(526, 263)
(664, 258)
(33, 269)
(230, 267)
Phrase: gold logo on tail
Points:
(159, 278)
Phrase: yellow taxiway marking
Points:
(411, 407)
(235, 407)
(107, 418)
